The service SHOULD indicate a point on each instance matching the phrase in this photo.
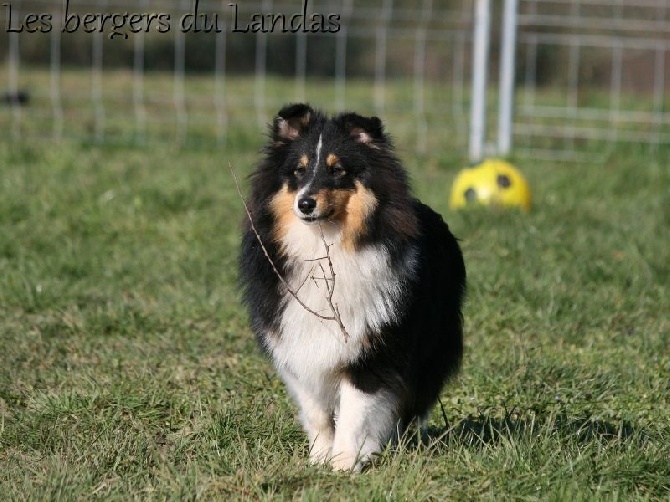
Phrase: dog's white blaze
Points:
(317, 152)
(319, 145)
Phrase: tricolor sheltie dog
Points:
(354, 288)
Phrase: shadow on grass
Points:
(475, 432)
(488, 429)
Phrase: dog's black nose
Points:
(306, 205)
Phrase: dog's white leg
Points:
(316, 419)
(364, 424)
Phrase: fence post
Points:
(13, 82)
(479, 78)
(507, 75)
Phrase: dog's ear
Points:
(291, 122)
(367, 130)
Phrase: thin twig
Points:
(316, 259)
(331, 286)
(304, 281)
(336, 314)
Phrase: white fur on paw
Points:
(351, 463)
(343, 462)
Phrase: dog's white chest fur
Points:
(366, 294)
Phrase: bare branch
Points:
(331, 286)
(336, 315)
(307, 277)
(317, 259)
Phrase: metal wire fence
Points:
(588, 74)
(385, 58)
(595, 75)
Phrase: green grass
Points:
(127, 369)
(235, 110)
(121, 109)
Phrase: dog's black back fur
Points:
(426, 346)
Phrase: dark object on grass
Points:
(20, 98)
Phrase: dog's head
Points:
(327, 162)
(340, 171)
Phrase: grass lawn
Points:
(127, 369)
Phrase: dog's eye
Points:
(299, 172)
(339, 171)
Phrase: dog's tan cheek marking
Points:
(304, 161)
(332, 159)
(281, 206)
(331, 201)
(334, 202)
(360, 205)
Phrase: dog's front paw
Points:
(349, 462)
(320, 449)
(343, 462)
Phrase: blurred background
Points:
(588, 75)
